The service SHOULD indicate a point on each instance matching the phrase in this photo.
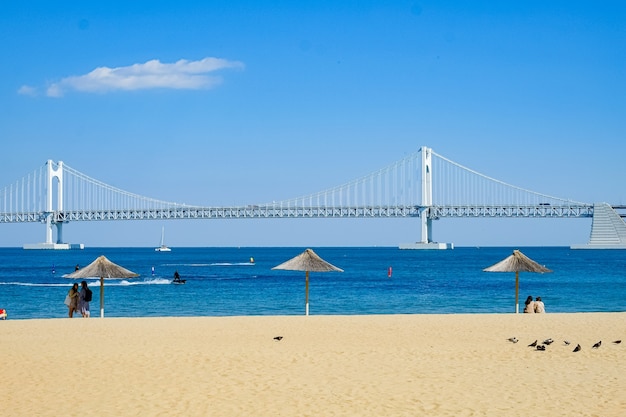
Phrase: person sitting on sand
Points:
(539, 307)
(530, 305)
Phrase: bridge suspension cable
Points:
(394, 185)
(457, 185)
(84, 193)
(26, 195)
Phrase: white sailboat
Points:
(163, 248)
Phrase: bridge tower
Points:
(426, 223)
(53, 174)
(427, 196)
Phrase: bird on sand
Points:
(597, 345)
(577, 348)
(617, 342)
(541, 347)
(566, 342)
(548, 341)
(533, 344)
(513, 339)
(278, 338)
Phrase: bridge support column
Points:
(49, 229)
(59, 226)
(427, 226)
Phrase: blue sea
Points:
(376, 280)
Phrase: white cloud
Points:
(27, 90)
(183, 74)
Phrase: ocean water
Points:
(224, 282)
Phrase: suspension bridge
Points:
(423, 185)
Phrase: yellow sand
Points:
(396, 365)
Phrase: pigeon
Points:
(533, 344)
(541, 347)
(597, 345)
(548, 341)
(566, 342)
(617, 342)
(513, 339)
(278, 338)
(577, 348)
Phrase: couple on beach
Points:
(536, 306)
(78, 300)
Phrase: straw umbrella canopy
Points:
(104, 269)
(307, 261)
(517, 262)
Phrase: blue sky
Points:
(240, 102)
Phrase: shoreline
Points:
(361, 365)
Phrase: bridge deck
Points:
(266, 212)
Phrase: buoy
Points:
(389, 273)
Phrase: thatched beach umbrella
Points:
(517, 262)
(307, 261)
(104, 269)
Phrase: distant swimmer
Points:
(577, 348)
(597, 345)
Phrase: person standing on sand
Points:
(530, 305)
(73, 294)
(83, 304)
(539, 306)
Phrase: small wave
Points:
(124, 282)
(34, 284)
(108, 283)
(214, 264)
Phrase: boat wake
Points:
(195, 265)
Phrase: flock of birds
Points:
(535, 344)
(548, 342)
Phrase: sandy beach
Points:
(395, 365)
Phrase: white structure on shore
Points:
(608, 229)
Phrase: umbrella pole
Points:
(306, 296)
(516, 292)
(101, 297)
